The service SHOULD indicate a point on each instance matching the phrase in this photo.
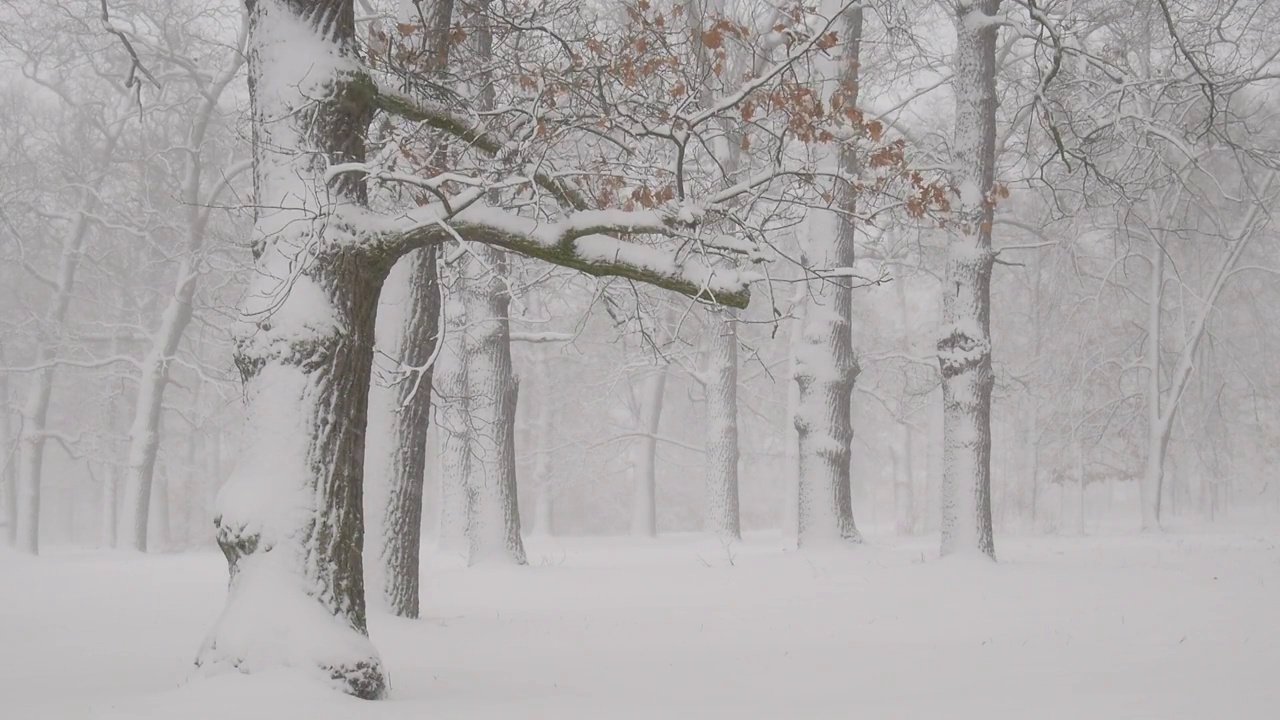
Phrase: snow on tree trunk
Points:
(721, 515)
(826, 366)
(722, 518)
(289, 520)
(964, 350)
(825, 371)
(449, 381)
(493, 529)
(402, 516)
(644, 454)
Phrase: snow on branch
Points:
(587, 241)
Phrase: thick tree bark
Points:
(826, 366)
(964, 352)
(722, 518)
(290, 518)
(402, 519)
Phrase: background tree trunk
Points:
(8, 461)
(644, 454)
(1157, 438)
(493, 529)
(402, 519)
(722, 520)
(826, 367)
(964, 352)
(452, 428)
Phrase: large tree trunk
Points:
(493, 529)
(402, 518)
(721, 374)
(964, 352)
(826, 366)
(644, 454)
(722, 519)
(290, 518)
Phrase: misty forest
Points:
(639, 359)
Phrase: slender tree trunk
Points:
(791, 479)
(158, 528)
(1162, 409)
(452, 428)
(1033, 426)
(543, 477)
(644, 452)
(722, 519)
(8, 461)
(402, 520)
(1157, 430)
(903, 495)
(904, 476)
(964, 352)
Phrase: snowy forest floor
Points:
(1182, 625)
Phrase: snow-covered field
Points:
(1183, 625)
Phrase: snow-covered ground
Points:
(1183, 625)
